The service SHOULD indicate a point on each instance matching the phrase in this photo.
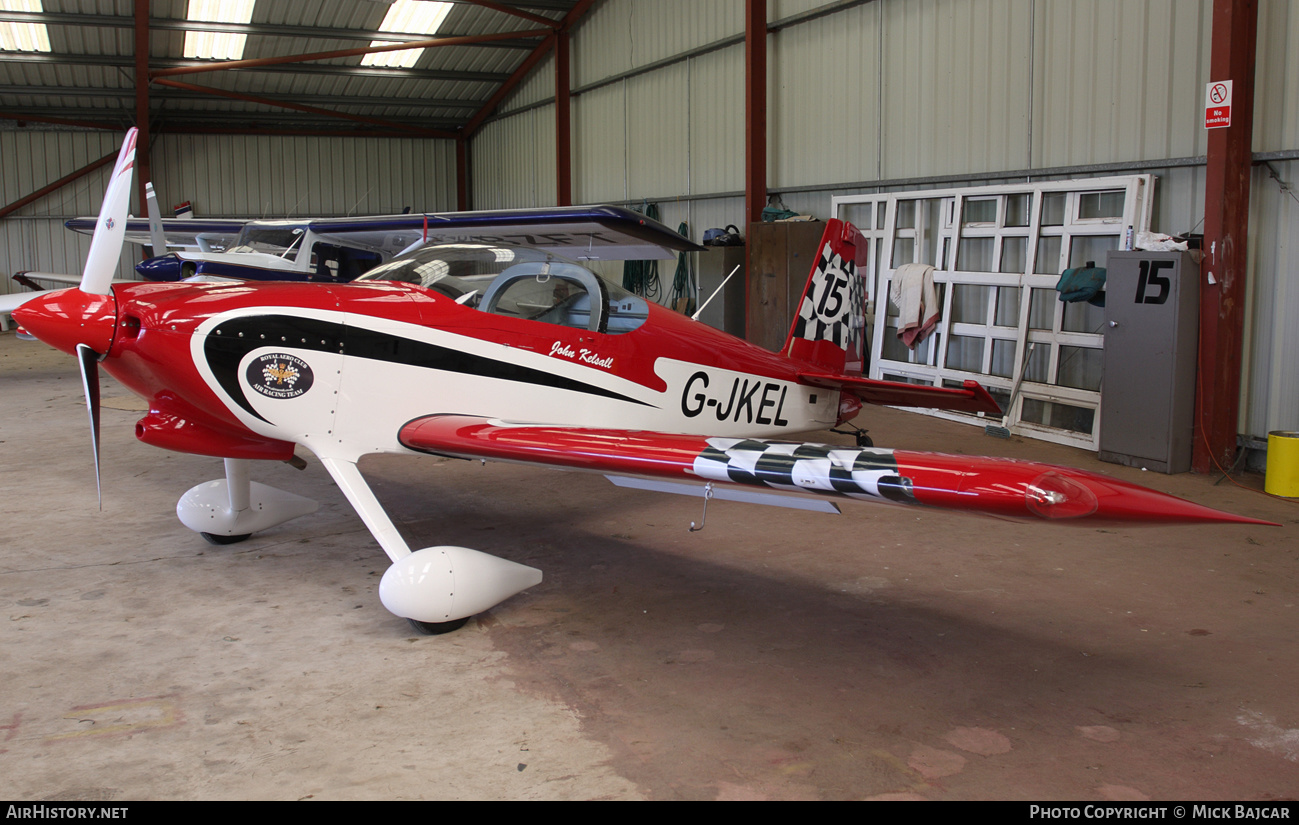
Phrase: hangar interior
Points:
(772, 655)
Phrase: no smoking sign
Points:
(1217, 104)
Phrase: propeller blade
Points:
(110, 229)
(89, 360)
(157, 237)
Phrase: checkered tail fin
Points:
(829, 331)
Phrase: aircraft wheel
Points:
(864, 440)
(437, 628)
(212, 538)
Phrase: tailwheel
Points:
(436, 628)
(213, 538)
(858, 434)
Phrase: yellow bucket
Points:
(1282, 463)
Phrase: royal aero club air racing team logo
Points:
(278, 375)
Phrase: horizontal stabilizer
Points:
(971, 398)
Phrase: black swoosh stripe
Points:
(231, 340)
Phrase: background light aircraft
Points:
(338, 250)
(206, 236)
(509, 352)
(199, 234)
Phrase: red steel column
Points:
(462, 173)
(755, 109)
(58, 184)
(755, 133)
(563, 123)
(1226, 228)
(142, 175)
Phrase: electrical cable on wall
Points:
(683, 280)
(642, 277)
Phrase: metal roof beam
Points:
(58, 184)
(48, 115)
(120, 118)
(539, 5)
(263, 29)
(516, 12)
(180, 94)
(126, 61)
(298, 107)
(513, 80)
(570, 19)
(200, 128)
(292, 120)
(221, 65)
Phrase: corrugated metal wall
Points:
(276, 177)
(1270, 392)
(34, 236)
(916, 88)
(1276, 95)
(1119, 80)
(537, 86)
(513, 161)
(617, 36)
(223, 175)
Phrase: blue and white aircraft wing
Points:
(577, 232)
(208, 234)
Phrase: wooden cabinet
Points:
(726, 310)
(781, 256)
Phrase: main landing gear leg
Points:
(436, 589)
(231, 509)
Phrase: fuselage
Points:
(339, 369)
(267, 251)
(258, 266)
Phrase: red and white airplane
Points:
(513, 353)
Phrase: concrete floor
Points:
(884, 653)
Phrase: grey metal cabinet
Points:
(1151, 335)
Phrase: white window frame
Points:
(928, 363)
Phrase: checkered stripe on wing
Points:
(849, 471)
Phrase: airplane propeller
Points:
(82, 320)
(97, 278)
(110, 230)
(89, 360)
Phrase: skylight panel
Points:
(217, 45)
(409, 17)
(23, 37)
